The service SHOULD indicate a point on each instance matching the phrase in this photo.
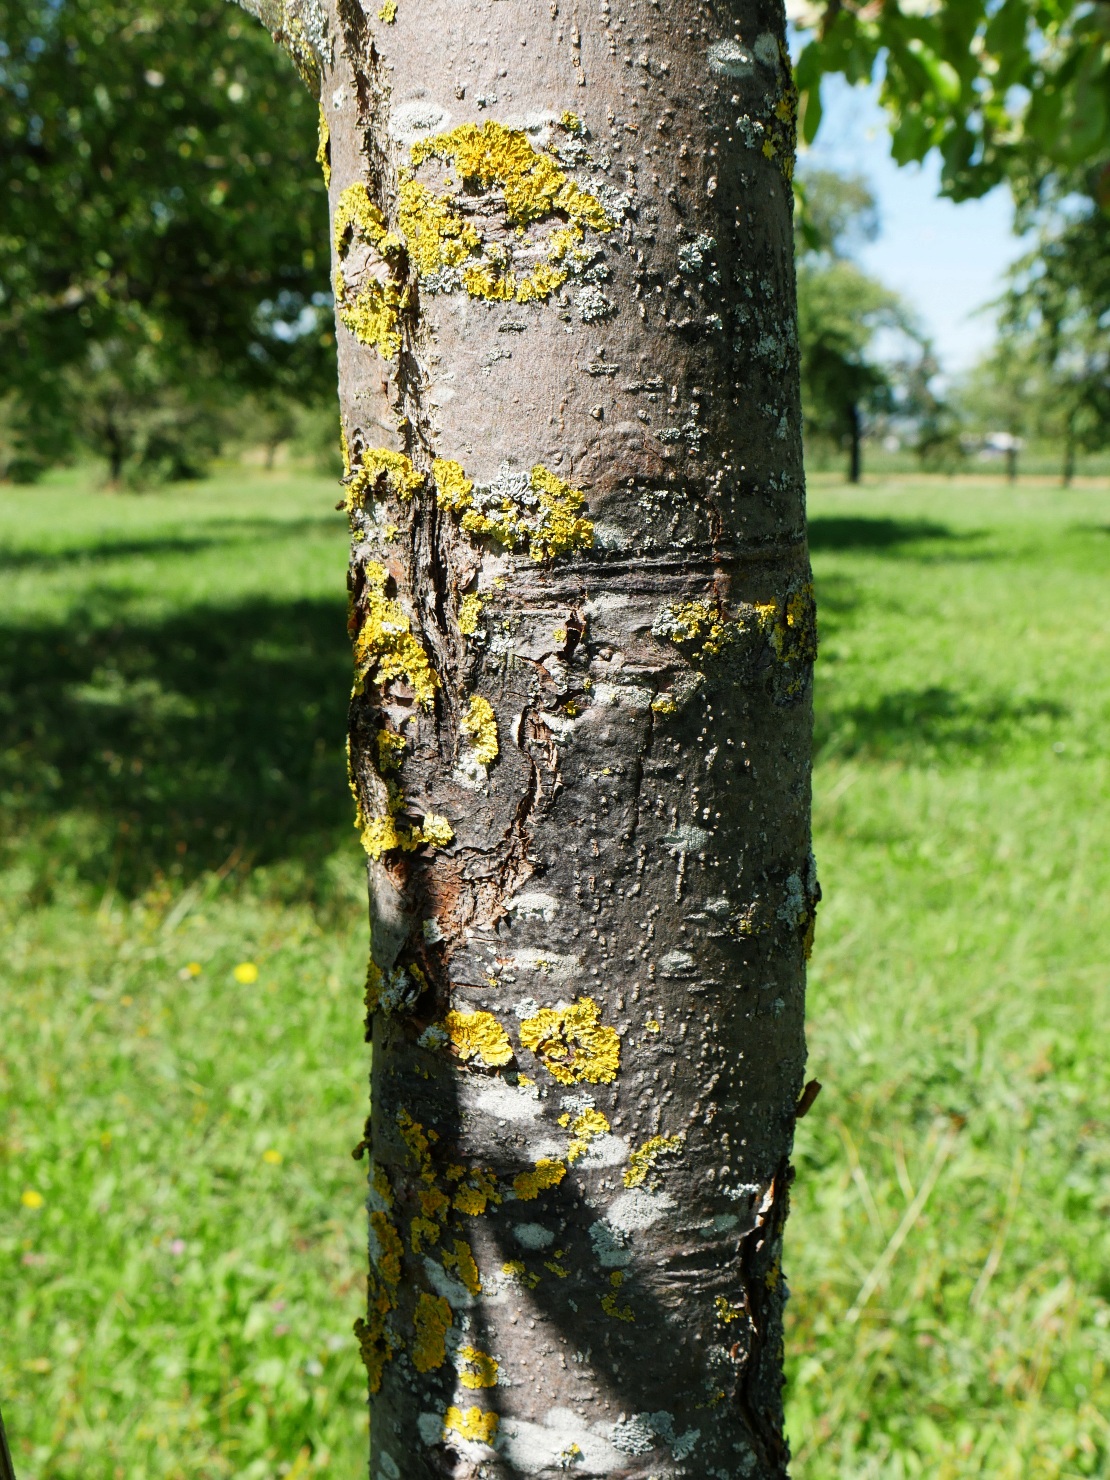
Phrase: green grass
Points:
(173, 677)
(960, 991)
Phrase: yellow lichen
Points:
(461, 1259)
(653, 1025)
(388, 12)
(585, 1128)
(434, 1203)
(545, 1174)
(431, 1322)
(481, 725)
(727, 1312)
(436, 831)
(423, 1233)
(478, 1427)
(573, 1044)
(698, 622)
(453, 487)
(557, 529)
(478, 1189)
(492, 157)
(470, 609)
(642, 1161)
(391, 750)
(517, 1271)
(435, 234)
(478, 1035)
(382, 471)
(540, 284)
(387, 1249)
(385, 649)
(375, 1339)
(534, 187)
(610, 1303)
(373, 314)
(664, 704)
(356, 212)
(323, 151)
(561, 530)
(490, 280)
(479, 1370)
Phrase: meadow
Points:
(182, 1067)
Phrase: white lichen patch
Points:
(631, 695)
(517, 1104)
(637, 1209)
(644, 1431)
(554, 968)
(456, 1294)
(534, 906)
(730, 58)
(610, 1246)
(537, 1449)
(605, 1151)
(686, 838)
(533, 1235)
(416, 120)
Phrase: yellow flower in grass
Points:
(246, 973)
(272, 1158)
(32, 1199)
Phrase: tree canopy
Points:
(1005, 90)
(158, 190)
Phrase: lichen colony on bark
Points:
(583, 629)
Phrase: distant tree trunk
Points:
(855, 444)
(116, 451)
(1013, 452)
(583, 625)
(1069, 452)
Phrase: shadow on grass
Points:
(139, 749)
(224, 532)
(857, 532)
(926, 724)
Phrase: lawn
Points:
(182, 1070)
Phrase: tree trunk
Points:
(584, 630)
(855, 452)
(114, 439)
(1069, 452)
(1012, 454)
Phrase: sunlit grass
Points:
(960, 991)
(180, 1219)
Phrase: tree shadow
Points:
(141, 748)
(226, 532)
(929, 723)
(837, 532)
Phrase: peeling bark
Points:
(580, 733)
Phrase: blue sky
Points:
(946, 260)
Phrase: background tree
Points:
(842, 312)
(583, 626)
(1056, 320)
(155, 212)
(1017, 91)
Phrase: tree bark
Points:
(580, 734)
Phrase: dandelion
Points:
(191, 969)
(272, 1157)
(32, 1199)
(245, 973)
